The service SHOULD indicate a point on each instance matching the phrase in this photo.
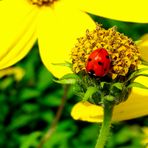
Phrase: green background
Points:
(28, 107)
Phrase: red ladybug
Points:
(98, 63)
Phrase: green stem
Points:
(53, 126)
(104, 132)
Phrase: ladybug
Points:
(98, 63)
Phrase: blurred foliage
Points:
(28, 107)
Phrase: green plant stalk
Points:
(53, 126)
(104, 132)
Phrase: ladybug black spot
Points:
(100, 63)
(105, 69)
(89, 59)
(107, 57)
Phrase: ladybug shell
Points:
(98, 63)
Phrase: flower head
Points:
(115, 88)
(122, 50)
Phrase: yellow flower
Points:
(55, 24)
(135, 106)
(131, 11)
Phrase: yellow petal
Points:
(58, 30)
(127, 10)
(18, 72)
(87, 112)
(145, 138)
(143, 46)
(135, 106)
(17, 30)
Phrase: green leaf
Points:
(7, 82)
(145, 75)
(59, 139)
(47, 116)
(103, 83)
(136, 84)
(30, 140)
(67, 64)
(29, 93)
(118, 85)
(21, 121)
(136, 73)
(65, 81)
(30, 108)
(90, 91)
(44, 79)
(144, 62)
(70, 75)
(49, 101)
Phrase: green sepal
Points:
(109, 98)
(137, 73)
(90, 91)
(118, 85)
(67, 64)
(144, 62)
(67, 79)
(70, 76)
(138, 42)
(145, 75)
(136, 84)
(102, 84)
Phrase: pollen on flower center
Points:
(42, 2)
(122, 51)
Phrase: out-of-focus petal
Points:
(143, 46)
(18, 72)
(145, 138)
(58, 30)
(17, 30)
(135, 106)
(131, 11)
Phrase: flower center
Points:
(42, 2)
(122, 51)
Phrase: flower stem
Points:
(53, 126)
(104, 132)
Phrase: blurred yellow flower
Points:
(55, 24)
(145, 140)
(143, 45)
(131, 11)
(18, 72)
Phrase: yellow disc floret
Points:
(122, 50)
